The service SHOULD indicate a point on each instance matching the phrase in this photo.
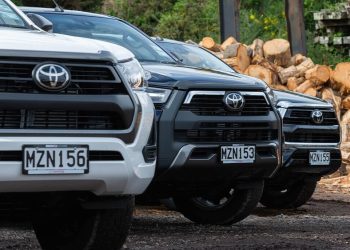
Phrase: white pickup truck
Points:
(76, 134)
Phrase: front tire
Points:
(293, 196)
(225, 208)
(78, 229)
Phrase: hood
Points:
(39, 41)
(287, 99)
(182, 77)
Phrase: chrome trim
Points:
(287, 105)
(182, 156)
(191, 94)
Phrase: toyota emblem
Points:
(51, 76)
(234, 101)
(317, 116)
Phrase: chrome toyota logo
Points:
(317, 116)
(234, 101)
(51, 76)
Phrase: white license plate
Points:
(319, 158)
(238, 154)
(55, 159)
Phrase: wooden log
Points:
(296, 71)
(345, 125)
(210, 44)
(227, 42)
(304, 66)
(277, 51)
(258, 60)
(294, 82)
(279, 87)
(239, 51)
(219, 55)
(257, 47)
(250, 51)
(346, 103)
(311, 92)
(284, 74)
(341, 77)
(329, 96)
(232, 62)
(297, 59)
(304, 86)
(319, 74)
(262, 73)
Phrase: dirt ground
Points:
(324, 223)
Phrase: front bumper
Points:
(131, 175)
(296, 158)
(189, 153)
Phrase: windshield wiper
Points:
(156, 61)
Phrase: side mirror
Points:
(41, 22)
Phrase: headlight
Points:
(133, 72)
(158, 95)
(272, 96)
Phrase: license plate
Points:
(55, 159)
(319, 158)
(238, 154)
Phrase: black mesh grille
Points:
(213, 105)
(303, 117)
(58, 119)
(227, 132)
(87, 77)
(312, 137)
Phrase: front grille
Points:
(58, 119)
(93, 156)
(88, 78)
(303, 117)
(312, 137)
(213, 105)
(227, 132)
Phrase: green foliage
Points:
(263, 19)
(190, 20)
(144, 14)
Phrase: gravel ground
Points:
(324, 223)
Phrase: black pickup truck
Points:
(310, 128)
(218, 134)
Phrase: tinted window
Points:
(9, 18)
(110, 30)
(194, 56)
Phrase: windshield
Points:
(194, 56)
(109, 30)
(9, 18)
